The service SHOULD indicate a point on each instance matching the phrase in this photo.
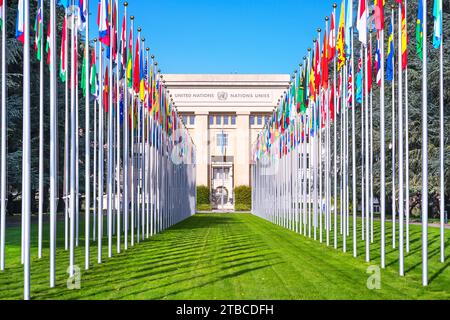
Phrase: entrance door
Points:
(222, 187)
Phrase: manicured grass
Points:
(230, 256)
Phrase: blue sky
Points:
(228, 36)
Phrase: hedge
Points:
(203, 195)
(243, 198)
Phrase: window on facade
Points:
(260, 120)
(233, 120)
(252, 120)
(185, 117)
(192, 120)
(226, 120)
(211, 120)
(218, 119)
(222, 140)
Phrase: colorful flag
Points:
(48, 45)
(39, 30)
(114, 32)
(378, 60)
(82, 7)
(103, 22)
(359, 82)
(136, 67)
(379, 14)
(361, 23)
(437, 32)
(340, 46)
(106, 91)
(93, 77)
(332, 39)
(20, 23)
(130, 60)
(142, 76)
(123, 42)
(419, 30)
(390, 55)
(62, 64)
(331, 103)
(325, 60)
(350, 86)
(404, 48)
(1, 14)
(348, 28)
(83, 74)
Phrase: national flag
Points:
(369, 67)
(20, 23)
(93, 74)
(82, 14)
(83, 74)
(359, 82)
(103, 22)
(301, 94)
(390, 54)
(136, 67)
(419, 30)
(331, 103)
(379, 14)
(325, 60)
(130, 60)
(114, 32)
(378, 61)
(332, 39)
(142, 76)
(48, 45)
(348, 28)
(437, 31)
(1, 14)
(404, 49)
(361, 23)
(317, 71)
(123, 43)
(39, 30)
(350, 86)
(62, 64)
(340, 46)
(106, 91)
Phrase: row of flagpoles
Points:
(305, 160)
(139, 139)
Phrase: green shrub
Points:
(243, 198)
(203, 195)
(204, 207)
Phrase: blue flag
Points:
(390, 58)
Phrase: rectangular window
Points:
(185, 117)
(226, 120)
(192, 120)
(252, 120)
(222, 140)
(211, 120)
(233, 120)
(260, 120)
(218, 119)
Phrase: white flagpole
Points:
(383, 154)
(77, 142)
(72, 211)
(400, 143)
(3, 145)
(406, 145)
(66, 139)
(355, 200)
(26, 161)
(366, 145)
(394, 193)
(442, 137)
(94, 182)
(87, 191)
(424, 154)
(110, 145)
(100, 157)
(53, 144)
(371, 147)
(344, 159)
(126, 154)
(335, 140)
(41, 134)
(118, 147)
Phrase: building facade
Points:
(224, 114)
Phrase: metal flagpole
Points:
(406, 145)
(343, 160)
(3, 145)
(110, 143)
(442, 137)
(126, 154)
(26, 162)
(41, 131)
(400, 142)
(424, 154)
(53, 144)
(393, 138)
(383, 153)
(72, 213)
(77, 143)
(367, 174)
(371, 179)
(66, 138)
(335, 140)
(95, 173)
(100, 157)
(118, 147)
(355, 200)
(87, 190)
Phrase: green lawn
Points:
(230, 256)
